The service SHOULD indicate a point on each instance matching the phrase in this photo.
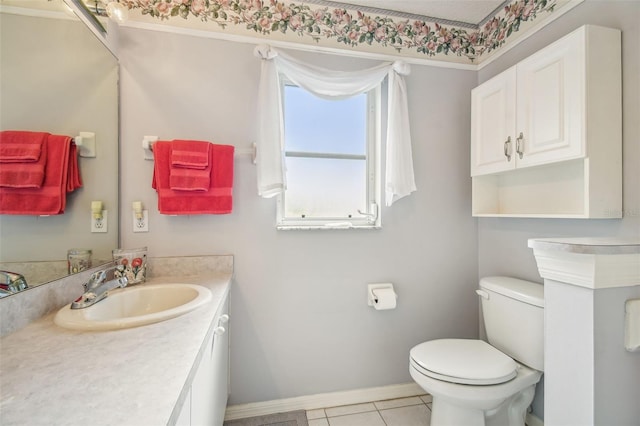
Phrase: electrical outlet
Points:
(99, 225)
(141, 225)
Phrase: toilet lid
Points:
(463, 361)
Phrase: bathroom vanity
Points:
(170, 372)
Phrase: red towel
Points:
(190, 167)
(217, 199)
(74, 180)
(189, 180)
(61, 176)
(190, 154)
(24, 174)
(18, 146)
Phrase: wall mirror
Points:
(57, 76)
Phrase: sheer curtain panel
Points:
(330, 84)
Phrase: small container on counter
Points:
(78, 260)
(132, 264)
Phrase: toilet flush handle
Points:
(482, 294)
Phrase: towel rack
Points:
(148, 141)
(86, 143)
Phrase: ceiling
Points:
(466, 12)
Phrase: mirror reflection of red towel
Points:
(23, 156)
(62, 175)
(216, 199)
(18, 146)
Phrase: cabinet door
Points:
(493, 105)
(202, 390)
(551, 103)
(184, 419)
(220, 360)
(209, 389)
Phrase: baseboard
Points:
(332, 399)
(533, 420)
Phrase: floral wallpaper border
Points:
(352, 28)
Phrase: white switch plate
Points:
(99, 225)
(141, 225)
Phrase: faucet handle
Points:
(99, 277)
(12, 281)
(96, 279)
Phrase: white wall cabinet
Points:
(206, 401)
(493, 124)
(546, 134)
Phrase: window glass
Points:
(329, 188)
(331, 166)
(313, 124)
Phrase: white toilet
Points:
(478, 383)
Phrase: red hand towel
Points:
(190, 167)
(61, 174)
(217, 199)
(24, 175)
(18, 146)
(190, 154)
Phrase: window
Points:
(332, 161)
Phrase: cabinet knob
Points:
(224, 318)
(520, 145)
(219, 330)
(507, 148)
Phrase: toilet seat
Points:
(464, 361)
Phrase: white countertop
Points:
(53, 376)
(594, 263)
(588, 245)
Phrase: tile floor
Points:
(410, 411)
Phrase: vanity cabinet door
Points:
(202, 390)
(220, 361)
(209, 390)
(493, 124)
(551, 104)
(184, 418)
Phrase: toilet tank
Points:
(513, 312)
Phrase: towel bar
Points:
(86, 143)
(147, 146)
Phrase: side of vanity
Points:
(171, 372)
(592, 343)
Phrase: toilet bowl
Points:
(475, 383)
(497, 394)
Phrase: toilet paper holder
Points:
(371, 295)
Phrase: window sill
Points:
(327, 227)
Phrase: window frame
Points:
(371, 217)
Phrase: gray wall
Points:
(502, 243)
(300, 320)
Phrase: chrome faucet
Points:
(11, 282)
(98, 287)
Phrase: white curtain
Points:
(329, 84)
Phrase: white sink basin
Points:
(135, 306)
